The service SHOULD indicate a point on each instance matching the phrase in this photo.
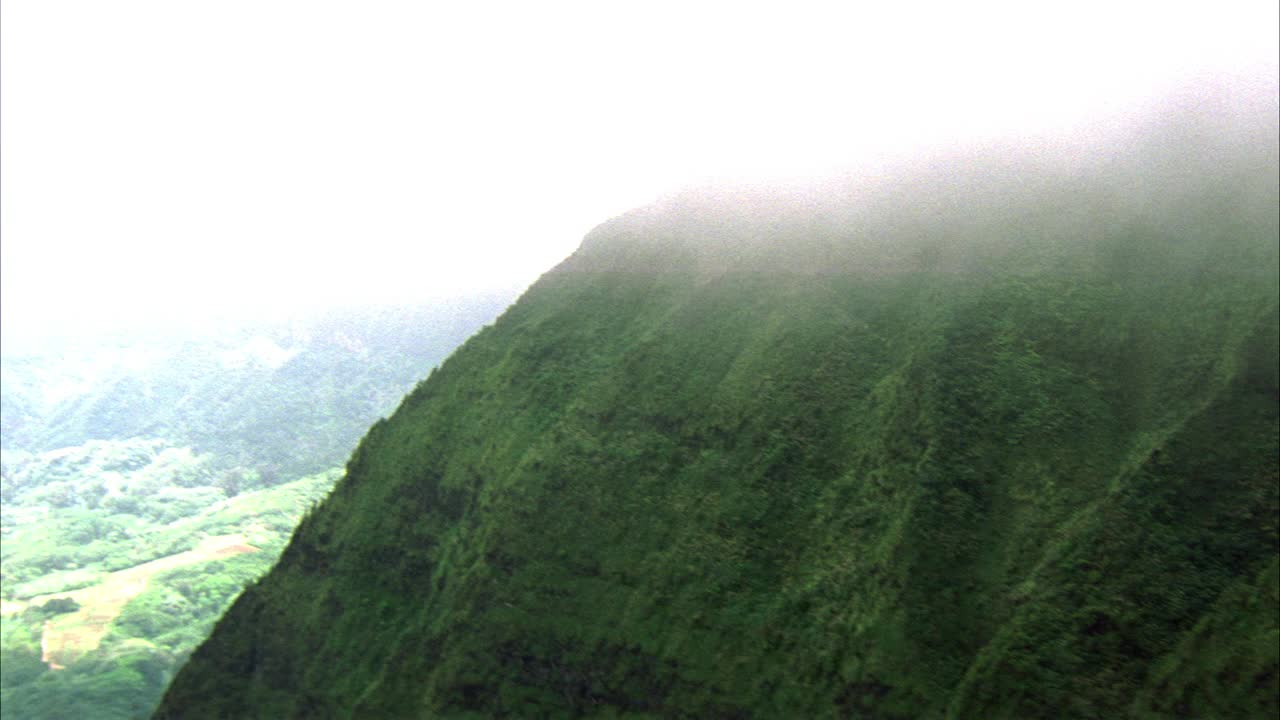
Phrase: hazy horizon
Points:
(164, 162)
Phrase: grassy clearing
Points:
(68, 637)
(145, 593)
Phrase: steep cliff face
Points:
(966, 449)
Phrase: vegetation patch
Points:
(67, 637)
(106, 639)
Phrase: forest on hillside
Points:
(990, 438)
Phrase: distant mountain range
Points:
(287, 398)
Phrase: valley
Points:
(147, 478)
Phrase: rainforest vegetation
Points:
(987, 438)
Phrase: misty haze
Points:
(704, 361)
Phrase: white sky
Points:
(172, 156)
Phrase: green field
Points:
(68, 637)
(98, 628)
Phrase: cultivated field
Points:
(69, 636)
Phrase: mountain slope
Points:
(995, 445)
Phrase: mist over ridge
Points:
(994, 434)
(1210, 148)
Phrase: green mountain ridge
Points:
(997, 442)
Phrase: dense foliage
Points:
(999, 446)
